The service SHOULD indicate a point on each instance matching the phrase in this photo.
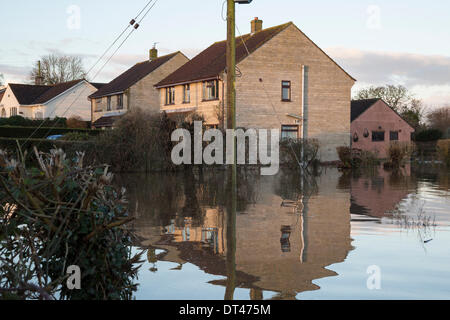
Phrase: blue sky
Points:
(378, 42)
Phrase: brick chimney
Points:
(257, 25)
(153, 53)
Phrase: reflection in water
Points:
(286, 231)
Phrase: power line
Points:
(132, 23)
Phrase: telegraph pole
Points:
(231, 124)
(232, 170)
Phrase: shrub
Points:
(428, 135)
(140, 142)
(398, 153)
(76, 122)
(76, 136)
(291, 151)
(443, 150)
(355, 158)
(59, 214)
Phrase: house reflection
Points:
(288, 231)
(377, 193)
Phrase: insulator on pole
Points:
(136, 25)
(132, 22)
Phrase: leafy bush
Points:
(428, 135)
(59, 214)
(443, 150)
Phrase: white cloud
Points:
(426, 75)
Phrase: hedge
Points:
(19, 121)
(428, 135)
(39, 133)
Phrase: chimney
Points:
(257, 25)
(39, 79)
(153, 53)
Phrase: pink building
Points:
(375, 125)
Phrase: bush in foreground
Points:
(57, 214)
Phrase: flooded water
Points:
(360, 235)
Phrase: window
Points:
(98, 101)
(108, 106)
(211, 90)
(170, 95)
(285, 90)
(393, 135)
(3, 113)
(13, 112)
(187, 93)
(289, 132)
(39, 115)
(377, 136)
(120, 102)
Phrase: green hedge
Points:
(39, 133)
(19, 121)
(428, 135)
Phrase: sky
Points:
(377, 42)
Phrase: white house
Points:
(40, 102)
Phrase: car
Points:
(55, 137)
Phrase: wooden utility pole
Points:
(231, 65)
(232, 170)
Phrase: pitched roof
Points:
(106, 121)
(360, 106)
(212, 61)
(29, 94)
(132, 76)
(26, 94)
(56, 90)
(98, 85)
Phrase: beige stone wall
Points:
(100, 109)
(144, 95)
(259, 104)
(209, 109)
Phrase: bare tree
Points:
(57, 69)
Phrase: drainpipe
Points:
(305, 79)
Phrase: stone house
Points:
(43, 101)
(375, 125)
(284, 81)
(133, 88)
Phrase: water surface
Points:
(294, 237)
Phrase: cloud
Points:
(14, 74)
(426, 75)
